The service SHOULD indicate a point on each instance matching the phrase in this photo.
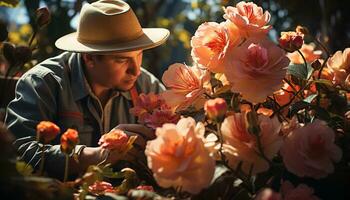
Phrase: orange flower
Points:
(161, 116)
(291, 41)
(69, 140)
(115, 139)
(186, 86)
(284, 95)
(309, 52)
(178, 156)
(101, 187)
(216, 109)
(249, 18)
(47, 131)
(257, 69)
(210, 43)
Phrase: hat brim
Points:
(151, 38)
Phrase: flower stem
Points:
(305, 63)
(42, 160)
(66, 168)
(221, 140)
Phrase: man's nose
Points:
(134, 68)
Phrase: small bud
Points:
(3, 31)
(291, 41)
(302, 30)
(43, 17)
(69, 140)
(316, 65)
(216, 109)
(9, 51)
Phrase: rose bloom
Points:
(249, 18)
(340, 64)
(69, 140)
(101, 187)
(186, 86)
(178, 157)
(288, 192)
(47, 131)
(310, 150)
(145, 105)
(161, 116)
(210, 43)
(309, 52)
(240, 145)
(257, 69)
(116, 139)
(291, 41)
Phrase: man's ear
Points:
(88, 60)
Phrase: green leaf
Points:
(299, 71)
(108, 172)
(111, 196)
(295, 107)
(9, 3)
(310, 98)
(23, 168)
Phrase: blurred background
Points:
(326, 19)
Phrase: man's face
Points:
(117, 70)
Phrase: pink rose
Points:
(152, 111)
(240, 145)
(161, 116)
(249, 18)
(257, 69)
(100, 187)
(186, 86)
(210, 43)
(310, 150)
(309, 52)
(288, 192)
(340, 64)
(178, 157)
(302, 191)
(115, 139)
(145, 104)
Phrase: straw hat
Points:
(110, 26)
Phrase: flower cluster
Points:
(270, 109)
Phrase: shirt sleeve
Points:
(35, 101)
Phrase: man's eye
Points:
(121, 60)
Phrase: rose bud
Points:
(43, 16)
(69, 140)
(291, 41)
(47, 131)
(302, 30)
(316, 65)
(216, 109)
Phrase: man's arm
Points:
(35, 101)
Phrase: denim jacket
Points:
(56, 90)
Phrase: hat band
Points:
(117, 40)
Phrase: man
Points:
(90, 87)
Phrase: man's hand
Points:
(142, 132)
